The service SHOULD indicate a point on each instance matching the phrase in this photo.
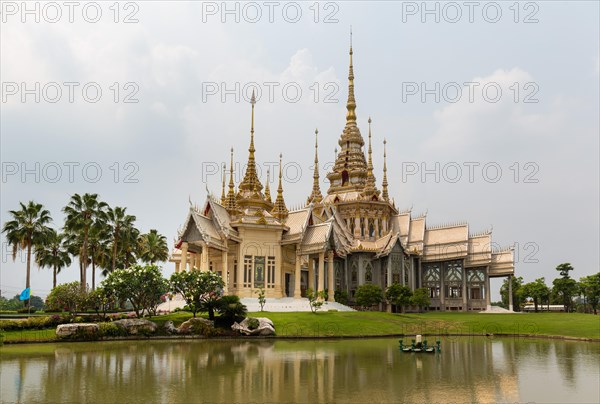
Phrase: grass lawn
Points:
(356, 324)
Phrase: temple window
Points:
(369, 274)
(247, 271)
(380, 227)
(270, 272)
(362, 226)
(371, 228)
(259, 272)
(235, 273)
(344, 177)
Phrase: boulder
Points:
(135, 326)
(194, 325)
(265, 327)
(79, 329)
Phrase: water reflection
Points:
(371, 370)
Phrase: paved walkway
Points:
(280, 305)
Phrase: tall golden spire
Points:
(231, 202)
(279, 210)
(370, 188)
(267, 189)
(384, 185)
(223, 184)
(250, 181)
(316, 196)
(351, 104)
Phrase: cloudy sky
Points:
(490, 111)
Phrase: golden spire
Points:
(250, 181)
(351, 104)
(370, 185)
(231, 202)
(279, 210)
(267, 189)
(384, 185)
(223, 184)
(316, 196)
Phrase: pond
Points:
(469, 369)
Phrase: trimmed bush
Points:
(112, 330)
(253, 323)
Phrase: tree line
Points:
(582, 295)
(102, 237)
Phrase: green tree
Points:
(153, 247)
(118, 221)
(68, 297)
(141, 285)
(53, 253)
(261, 298)
(421, 298)
(537, 291)
(397, 295)
(368, 295)
(99, 248)
(100, 300)
(564, 289)
(201, 290)
(231, 308)
(590, 288)
(564, 269)
(516, 286)
(27, 228)
(82, 212)
(315, 299)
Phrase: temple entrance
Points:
(288, 285)
(303, 283)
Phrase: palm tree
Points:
(82, 212)
(53, 254)
(153, 247)
(99, 248)
(128, 250)
(27, 229)
(118, 220)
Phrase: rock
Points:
(194, 325)
(265, 327)
(135, 326)
(80, 329)
(170, 327)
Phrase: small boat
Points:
(419, 346)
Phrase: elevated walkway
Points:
(288, 304)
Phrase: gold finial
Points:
(279, 210)
(351, 104)
(223, 184)
(316, 196)
(384, 185)
(231, 203)
(250, 181)
(370, 188)
(267, 189)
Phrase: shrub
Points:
(341, 296)
(67, 296)
(29, 310)
(253, 323)
(112, 330)
(368, 295)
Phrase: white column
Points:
(225, 271)
(321, 280)
(184, 253)
(510, 296)
(311, 273)
(330, 277)
(297, 280)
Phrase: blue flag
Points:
(25, 294)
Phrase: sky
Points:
(489, 109)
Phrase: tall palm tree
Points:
(118, 220)
(82, 212)
(153, 247)
(27, 228)
(53, 253)
(99, 248)
(128, 249)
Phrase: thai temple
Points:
(352, 235)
